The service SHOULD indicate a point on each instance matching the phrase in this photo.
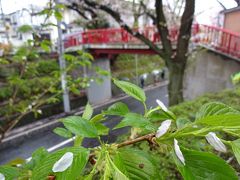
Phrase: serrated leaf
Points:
(181, 122)
(79, 126)
(117, 109)
(102, 130)
(98, 118)
(226, 120)
(37, 156)
(62, 132)
(136, 164)
(131, 89)
(79, 162)
(236, 149)
(202, 165)
(136, 120)
(9, 172)
(87, 114)
(215, 108)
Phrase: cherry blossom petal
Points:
(215, 142)
(2, 177)
(165, 125)
(160, 103)
(63, 163)
(178, 152)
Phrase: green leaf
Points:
(215, 108)
(87, 114)
(37, 157)
(80, 160)
(226, 120)
(136, 164)
(102, 130)
(136, 120)
(45, 45)
(98, 118)
(9, 172)
(62, 132)
(181, 122)
(25, 29)
(236, 149)
(79, 126)
(58, 15)
(131, 89)
(203, 165)
(117, 109)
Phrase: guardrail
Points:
(215, 38)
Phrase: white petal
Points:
(2, 177)
(163, 128)
(160, 103)
(178, 152)
(63, 163)
(215, 142)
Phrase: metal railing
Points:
(216, 38)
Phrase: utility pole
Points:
(62, 64)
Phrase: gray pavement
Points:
(48, 139)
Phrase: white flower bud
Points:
(165, 125)
(30, 107)
(160, 103)
(39, 111)
(2, 177)
(178, 152)
(215, 142)
(63, 163)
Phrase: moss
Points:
(188, 109)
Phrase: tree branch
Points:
(185, 30)
(162, 28)
(116, 16)
(148, 137)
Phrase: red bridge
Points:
(118, 41)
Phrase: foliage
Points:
(236, 78)
(125, 66)
(30, 79)
(124, 161)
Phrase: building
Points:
(231, 19)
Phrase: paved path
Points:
(48, 139)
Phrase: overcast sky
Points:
(205, 9)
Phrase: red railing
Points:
(212, 37)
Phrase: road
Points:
(48, 139)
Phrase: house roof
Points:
(231, 10)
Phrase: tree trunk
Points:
(175, 86)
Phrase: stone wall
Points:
(207, 72)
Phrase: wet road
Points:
(48, 139)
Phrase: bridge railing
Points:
(212, 37)
(219, 39)
(115, 36)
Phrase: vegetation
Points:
(175, 59)
(163, 133)
(125, 65)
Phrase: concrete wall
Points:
(99, 93)
(208, 72)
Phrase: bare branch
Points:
(163, 28)
(224, 7)
(118, 19)
(185, 30)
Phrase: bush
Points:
(158, 145)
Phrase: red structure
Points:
(214, 38)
